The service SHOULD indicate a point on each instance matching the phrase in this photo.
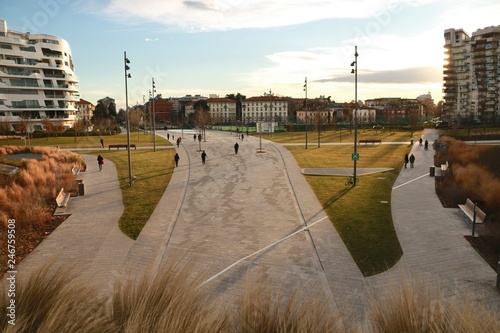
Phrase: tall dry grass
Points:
(414, 307)
(29, 196)
(55, 300)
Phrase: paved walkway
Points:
(253, 214)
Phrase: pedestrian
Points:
(236, 147)
(406, 160)
(199, 137)
(412, 160)
(242, 136)
(426, 145)
(203, 157)
(173, 137)
(194, 137)
(176, 158)
(100, 161)
(168, 136)
(420, 142)
(178, 142)
(102, 143)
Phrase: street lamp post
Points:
(154, 115)
(355, 72)
(127, 76)
(305, 89)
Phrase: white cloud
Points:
(147, 39)
(208, 15)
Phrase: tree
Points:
(47, 125)
(238, 98)
(135, 117)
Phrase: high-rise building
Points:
(37, 81)
(472, 74)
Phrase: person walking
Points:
(102, 142)
(194, 137)
(203, 157)
(178, 142)
(426, 145)
(236, 147)
(176, 158)
(242, 136)
(168, 136)
(406, 160)
(100, 161)
(412, 160)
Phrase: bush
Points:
(29, 196)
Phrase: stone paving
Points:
(248, 215)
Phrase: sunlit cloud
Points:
(210, 15)
(147, 40)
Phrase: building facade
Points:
(85, 109)
(471, 74)
(222, 110)
(37, 81)
(264, 109)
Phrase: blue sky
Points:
(230, 46)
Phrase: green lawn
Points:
(361, 218)
(336, 136)
(153, 171)
(139, 139)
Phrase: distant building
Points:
(37, 81)
(222, 110)
(472, 74)
(85, 109)
(264, 108)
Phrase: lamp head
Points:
(352, 71)
(353, 63)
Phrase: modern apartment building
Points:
(37, 81)
(472, 74)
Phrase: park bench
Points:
(468, 210)
(444, 167)
(75, 170)
(121, 146)
(373, 141)
(62, 198)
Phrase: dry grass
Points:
(29, 196)
(172, 301)
(413, 306)
(262, 309)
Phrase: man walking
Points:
(412, 160)
(203, 157)
(236, 147)
(176, 158)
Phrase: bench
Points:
(62, 199)
(444, 167)
(121, 146)
(468, 210)
(75, 170)
(370, 141)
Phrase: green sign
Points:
(355, 156)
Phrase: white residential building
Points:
(222, 110)
(37, 81)
(264, 109)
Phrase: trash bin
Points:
(81, 189)
(432, 171)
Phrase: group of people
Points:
(411, 159)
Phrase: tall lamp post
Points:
(154, 114)
(354, 71)
(305, 89)
(128, 76)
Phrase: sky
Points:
(253, 46)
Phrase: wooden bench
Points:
(62, 199)
(121, 146)
(370, 141)
(468, 210)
